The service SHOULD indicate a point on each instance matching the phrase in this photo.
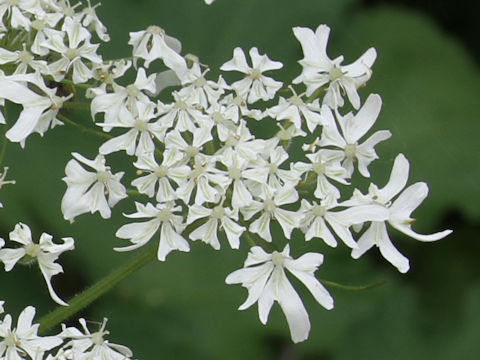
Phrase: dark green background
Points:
(181, 309)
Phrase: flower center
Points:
(235, 173)
(141, 125)
(200, 82)
(296, 100)
(72, 54)
(256, 74)
(104, 76)
(277, 258)
(103, 177)
(11, 339)
(284, 135)
(97, 338)
(319, 167)
(335, 74)
(319, 210)
(351, 151)
(161, 171)
(232, 140)
(164, 215)
(272, 169)
(181, 105)
(25, 57)
(191, 151)
(33, 250)
(38, 24)
(269, 206)
(239, 101)
(218, 117)
(132, 90)
(69, 11)
(155, 30)
(218, 212)
(198, 170)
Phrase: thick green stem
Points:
(82, 300)
(315, 94)
(82, 86)
(76, 105)
(83, 128)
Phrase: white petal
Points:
(393, 256)
(398, 178)
(313, 285)
(49, 269)
(261, 226)
(358, 125)
(233, 232)
(370, 237)
(292, 307)
(170, 240)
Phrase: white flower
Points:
(153, 43)
(398, 217)
(15, 11)
(139, 139)
(112, 103)
(203, 91)
(175, 140)
(278, 177)
(296, 110)
(241, 171)
(319, 69)
(354, 127)
(91, 21)
(219, 218)
(224, 119)
(208, 181)
(39, 112)
(270, 209)
(240, 141)
(255, 85)
(171, 171)
(45, 253)
(87, 190)
(325, 164)
(106, 73)
(163, 217)
(264, 277)
(317, 216)
(88, 345)
(184, 113)
(44, 25)
(239, 104)
(23, 60)
(16, 343)
(72, 55)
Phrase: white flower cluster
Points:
(206, 175)
(22, 341)
(43, 44)
(45, 253)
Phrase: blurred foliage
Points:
(181, 309)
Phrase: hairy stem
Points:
(352, 287)
(82, 300)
